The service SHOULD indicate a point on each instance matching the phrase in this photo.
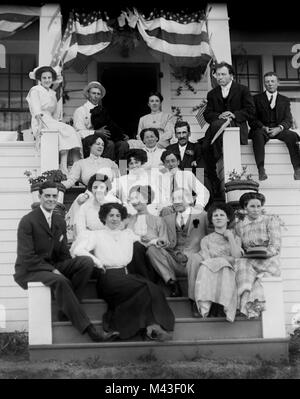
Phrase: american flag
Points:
(179, 38)
(15, 18)
(86, 34)
(199, 116)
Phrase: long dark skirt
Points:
(133, 303)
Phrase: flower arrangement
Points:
(54, 175)
(234, 175)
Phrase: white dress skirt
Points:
(43, 101)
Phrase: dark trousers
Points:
(67, 287)
(212, 153)
(260, 138)
(140, 263)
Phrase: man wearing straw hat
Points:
(92, 118)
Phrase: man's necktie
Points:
(49, 221)
(172, 185)
(182, 224)
(271, 99)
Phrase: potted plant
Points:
(35, 181)
(238, 184)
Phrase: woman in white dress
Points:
(45, 115)
(87, 217)
(134, 304)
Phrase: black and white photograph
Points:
(150, 193)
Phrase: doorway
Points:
(127, 88)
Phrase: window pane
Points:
(28, 63)
(241, 65)
(254, 84)
(15, 82)
(15, 100)
(20, 120)
(279, 63)
(5, 121)
(243, 81)
(15, 63)
(27, 83)
(3, 100)
(3, 82)
(253, 66)
(24, 102)
(292, 72)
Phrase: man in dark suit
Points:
(272, 120)
(43, 256)
(190, 154)
(229, 100)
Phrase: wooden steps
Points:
(282, 194)
(268, 349)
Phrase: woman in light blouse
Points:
(83, 169)
(150, 138)
(134, 304)
(257, 232)
(157, 119)
(45, 114)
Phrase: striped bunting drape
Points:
(85, 36)
(15, 18)
(179, 39)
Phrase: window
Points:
(283, 68)
(248, 71)
(14, 86)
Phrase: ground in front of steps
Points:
(19, 367)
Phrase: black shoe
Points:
(94, 334)
(194, 309)
(297, 174)
(61, 316)
(175, 289)
(262, 174)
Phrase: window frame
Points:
(248, 75)
(23, 109)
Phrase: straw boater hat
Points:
(92, 85)
(37, 72)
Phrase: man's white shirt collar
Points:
(47, 214)
(182, 150)
(90, 105)
(225, 89)
(186, 213)
(272, 104)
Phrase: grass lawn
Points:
(14, 364)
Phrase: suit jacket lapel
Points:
(185, 155)
(265, 102)
(232, 91)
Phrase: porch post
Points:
(39, 314)
(231, 151)
(50, 36)
(273, 323)
(218, 31)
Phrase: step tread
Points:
(156, 343)
(177, 320)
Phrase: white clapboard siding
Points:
(15, 200)
(283, 198)
(74, 81)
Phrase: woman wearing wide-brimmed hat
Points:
(45, 114)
